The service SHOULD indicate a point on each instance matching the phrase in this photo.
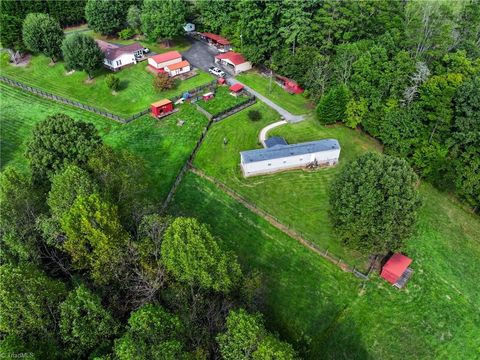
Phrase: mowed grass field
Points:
(136, 84)
(326, 314)
(296, 104)
(221, 102)
(297, 198)
(162, 145)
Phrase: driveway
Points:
(200, 55)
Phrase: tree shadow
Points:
(123, 85)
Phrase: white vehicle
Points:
(216, 71)
(146, 50)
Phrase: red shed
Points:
(161, 107)
(396, 270)
(236, 87)
(208, 96)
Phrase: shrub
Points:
(254, 115)
(112, 81)
(163, 82)
(126, 34)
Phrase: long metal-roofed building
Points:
(279, 156)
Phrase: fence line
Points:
(284, 228)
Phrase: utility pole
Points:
(271, 76)
(241, 42)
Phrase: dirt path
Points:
(276, 223)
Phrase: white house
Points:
(279, 156)
(177, 68)
(118, 56)
(189, 27)
(233, 61)
(160, 61)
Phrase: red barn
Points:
(396, 270)
(161, 108)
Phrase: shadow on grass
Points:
(123, 85)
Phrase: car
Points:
(146, 50)
(216, 71)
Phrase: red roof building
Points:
(396, 270)
(289, 85)
(159, 61)
(236, 87)
(216, 38)
(161, 108)
(233, 61)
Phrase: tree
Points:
(162, 19)
(246, 338)
(11, 35)
(374, 203)
(106, 16)
(43, 34)
(84, 323)
(81, 52)
(96, 240)
(332, 106)
(133, 17)
(192, 256)
(254, 115)
(28, 301)
(20, 203)
(355, 111)
(163, 82)
(152, 333)
(112, 81)
(58, 141)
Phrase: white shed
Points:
(189, 27)
(178, 68)
(159, 61)
(281, 157)
(233, 61)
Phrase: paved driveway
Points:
(200, 55)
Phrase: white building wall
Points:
(178, 71)
(243, 67)
(163, 64)
(125, 59)
(329, 157)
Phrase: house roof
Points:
(395, 267)
(161, 102)
(159, 58)
(233, 57)
(113, 51)
(236, 87)
(217, 38)
(281, 151)
(178, 65)
(275, 141)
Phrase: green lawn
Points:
(136, 84)
(221, 102)
(297, 104)
(161, 144)
(322, 311)
(298, 198)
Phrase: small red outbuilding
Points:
(236, 88)
(396, 270)
(161, 107)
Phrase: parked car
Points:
(216, 71)
(146, 50)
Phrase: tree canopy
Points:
(106, 16)
(43, 34)
(194, 257)
(374, 203)
(162, 19)
(81, 52)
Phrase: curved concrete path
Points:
(263, 133)
(284, 113)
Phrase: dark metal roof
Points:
(275, 141)
(281, 151)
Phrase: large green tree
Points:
(11, 35)
(162, 19)
(81, 52)
(152, 333)
(43, 34)
(374, 203)
(58, 141)
(192, 255)
(332, 105)
(106, 16)
(84, 323)
(96, 240)
(246, 338)
(28, 301)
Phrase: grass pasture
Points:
(296, 104)
(297, 198)
(324, 312)
(161, 144)
(222, 101)
(136, 84)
